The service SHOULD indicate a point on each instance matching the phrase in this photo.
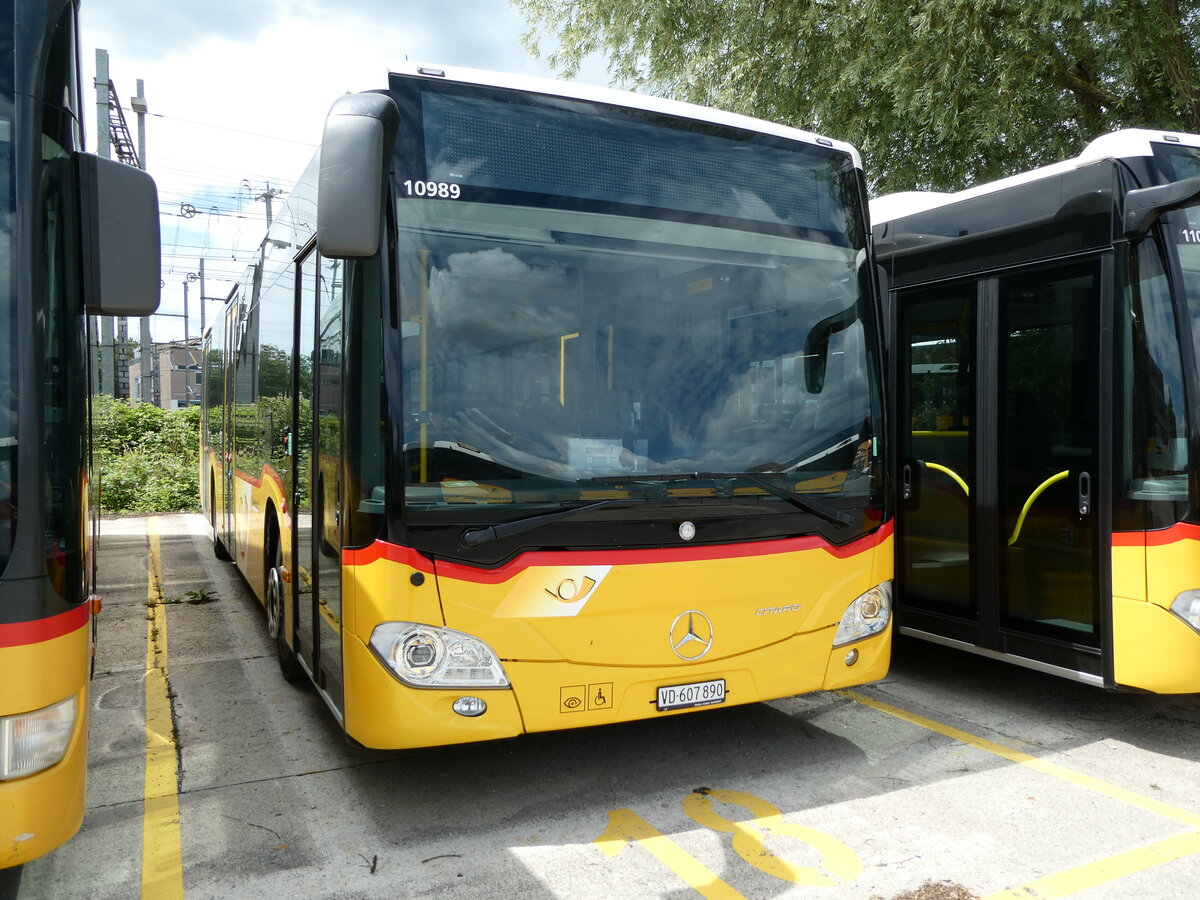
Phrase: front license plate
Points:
(685, 696)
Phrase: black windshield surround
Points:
(599, 352)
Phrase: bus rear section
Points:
(1046, 408)
(581, 420)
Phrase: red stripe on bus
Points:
(392, 552)
(1173, 535)
(268, 474)
(19, 634)
(413, 559)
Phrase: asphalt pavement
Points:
(955, 777)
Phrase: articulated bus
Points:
(549, 406)
(78, 234)
(1046, 331)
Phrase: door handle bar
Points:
(1037, 492)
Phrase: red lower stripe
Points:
(410, 557)
(1173, 535)
(19, 634)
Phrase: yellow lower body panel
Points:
(561, 695)
(1153, 649)
(381, 712)
(43, 810)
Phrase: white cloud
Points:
(237, 92)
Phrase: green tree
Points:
(274, 372)
(938, 94)
(147, 458)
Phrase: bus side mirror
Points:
(1144, 206)
(356, 151)
(118, 206)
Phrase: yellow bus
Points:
(1047, 403)
(78, 234)
(548, 406)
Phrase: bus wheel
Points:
(289, 666)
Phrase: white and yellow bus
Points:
(549, 406)
(1047, 398)
(78, 234)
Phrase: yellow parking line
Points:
(1070, 881)
(1190, 819)
(162, 848)
(1087, 875)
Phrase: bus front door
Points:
(999, 529)
(318, 468)
(935, 516)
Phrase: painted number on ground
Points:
(839, 864)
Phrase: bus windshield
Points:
(615, 304)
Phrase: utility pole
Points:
(203, 295)
(138, 105)
(111, 366)
(104, 381)
(149, 357)
(267, 196)
(103, 140)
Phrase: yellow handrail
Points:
(938, 467)
(562, 366)
(1053, 479)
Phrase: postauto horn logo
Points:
(691, 635)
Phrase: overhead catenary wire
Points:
(258, 134)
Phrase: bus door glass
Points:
(228, 411)
(1047, 399)
(937, 387)
(999, 478)
(8, 331)
(327, 507)
(304, 461)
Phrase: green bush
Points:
(147, 458)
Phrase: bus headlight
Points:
(869, 614)
(36, 740)
(1187, 607)
(431, 657)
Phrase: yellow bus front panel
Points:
(588, 638)
(1153, 648)
(618, 608)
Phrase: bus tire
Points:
(276, 597)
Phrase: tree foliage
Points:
(147, 458)
(938, 94)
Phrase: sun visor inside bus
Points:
(120, 235)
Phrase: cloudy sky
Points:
(237, 92)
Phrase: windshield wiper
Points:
(474, 537)
(809, 505)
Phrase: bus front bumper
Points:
(383, 713)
